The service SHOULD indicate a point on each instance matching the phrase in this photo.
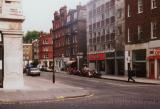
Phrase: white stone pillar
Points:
(156, 69)
(13, 60)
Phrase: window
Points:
(129, 37)
(119, 30)
(129, 10)
(45, 56)
(140, 32)
(119, 13)
(153, 4)
(140, 6)
(95, 48)
(153, 29)
(45, 41)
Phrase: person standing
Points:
(130, 74)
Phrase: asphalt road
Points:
(106, 94)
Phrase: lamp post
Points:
(53, 76)
(79, 56)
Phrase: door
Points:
(151, 70)
(1, 60)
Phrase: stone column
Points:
(13, 60)
(156, 69)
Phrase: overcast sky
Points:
(39, 13)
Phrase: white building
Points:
(11, 63)
(105, 36)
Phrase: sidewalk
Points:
(37, 89)
(125, 79)
(138, 80)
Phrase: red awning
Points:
(153, 57)
(96, 57)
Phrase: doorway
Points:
(1, 60)
(151, 70)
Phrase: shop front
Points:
(115, 63)
(97, 62)
(139, 62)
(154, 63)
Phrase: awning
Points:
(153, 57)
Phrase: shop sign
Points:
(157, 52)
(154, 54)
(94, 57)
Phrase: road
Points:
(105, 94)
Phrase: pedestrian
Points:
(130, 74)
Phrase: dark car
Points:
(33, 71)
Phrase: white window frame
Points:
(153, 4)
(139, 32)
(129, 10)
(153, 23)
(140, 6)
(128, 35)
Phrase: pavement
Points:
(125, 79)
(137, 79)
(39, 89)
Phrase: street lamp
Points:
(53, 77)
(79, 56)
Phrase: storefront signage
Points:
(94, 57)
(157, 52)
(154, 54)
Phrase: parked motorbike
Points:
(96, 74)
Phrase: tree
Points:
(30, 35)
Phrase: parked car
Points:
(33, 72)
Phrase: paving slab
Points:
(36, 88)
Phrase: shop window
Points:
(139, 55)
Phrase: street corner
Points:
(57, 92)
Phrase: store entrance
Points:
(1, 60)
(152, 70)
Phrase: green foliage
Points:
(30, 35)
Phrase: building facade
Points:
(35, 50)
(60, 19)
(27, 54)
(75, 36)
(143, 37)
(11, 19)
(45, 50)
(105, 36)
(69, 36)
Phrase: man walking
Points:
(130, 74)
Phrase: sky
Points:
(39, 13)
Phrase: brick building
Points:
(75, 36)
(143, 37)
(27, 53)
(35, 50)
(60, 19)
(45, 50)
(69, 35)
(105, 36)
